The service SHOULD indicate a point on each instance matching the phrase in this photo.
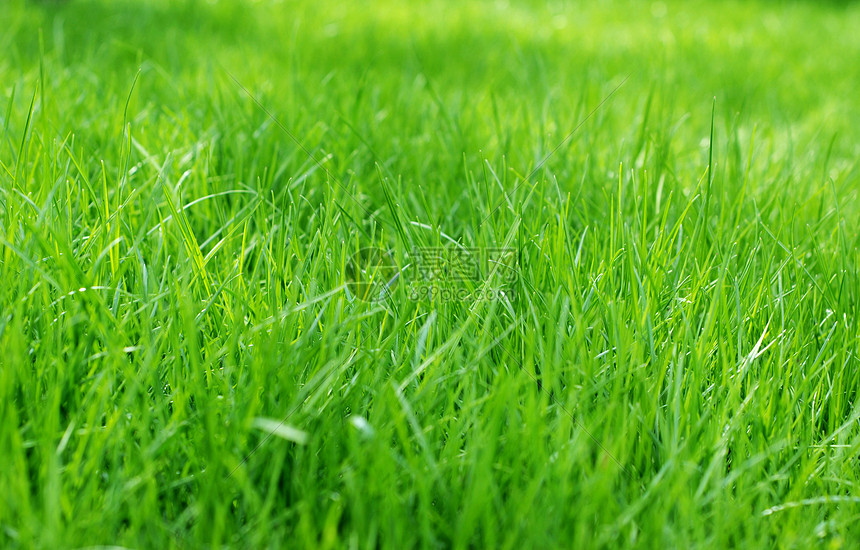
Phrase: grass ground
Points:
(188, 362)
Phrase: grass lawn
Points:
(473, 274)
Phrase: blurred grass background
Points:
(132, 379)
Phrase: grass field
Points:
(464, 274)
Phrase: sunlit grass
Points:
(183, 188)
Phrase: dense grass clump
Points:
(188, 357)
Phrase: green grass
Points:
(182, 363)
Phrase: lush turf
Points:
(185, 362)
